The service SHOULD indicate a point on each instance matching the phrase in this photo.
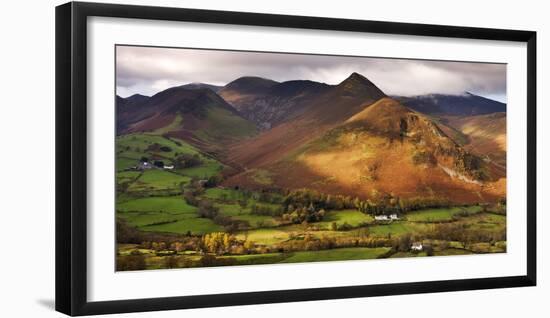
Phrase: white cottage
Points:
(416, 246)
(383, 217)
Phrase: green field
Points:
(207, 169)
(440, 214)
(338, 254)
(174, 204)
(266, 236)
(351, 217)
(134, 146)
(125, 163)
(223, 194)
(131, 148)
(397, 228)
(127, 176)
(155, 180)
(141, 219)
(194, 225)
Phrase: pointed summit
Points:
(357, 84)
(356, 77)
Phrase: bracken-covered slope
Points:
(384, 148)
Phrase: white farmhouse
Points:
(144, 166)
(417, 246)
(383, 217)
(171, 167)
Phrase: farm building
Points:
(170, 167)
(417, 246)
(144, 165)
(383, 217)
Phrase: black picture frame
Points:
(71, 157)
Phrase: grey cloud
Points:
(148, 70)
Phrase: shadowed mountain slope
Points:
(213, 88)
(198, 115)
(466, 104)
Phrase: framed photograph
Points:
(208, 158)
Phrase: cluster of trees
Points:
(296, 199)
(303, 214)
(388, 204)
(208, 210)
(378, 203)
(311, 243)
(464, 233)
(213, 181)
(133, 262)
(156, 147)
(220, 243)
(273, 196)
(341, 227)
(187, 161)
(259, 209)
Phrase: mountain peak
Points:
(199, 85)
(464, 104)
(249, 85)
(137, 98)
(357, 83)
(357, 78)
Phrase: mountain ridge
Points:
(466, 104)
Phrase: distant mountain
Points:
(214, 88)
(486, 135)
(136, 99)
(466, 104)
(269, 103)
(246, 86)
(357, 84)
(127, 106)
(197, 115)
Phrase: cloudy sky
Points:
(147, 70)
